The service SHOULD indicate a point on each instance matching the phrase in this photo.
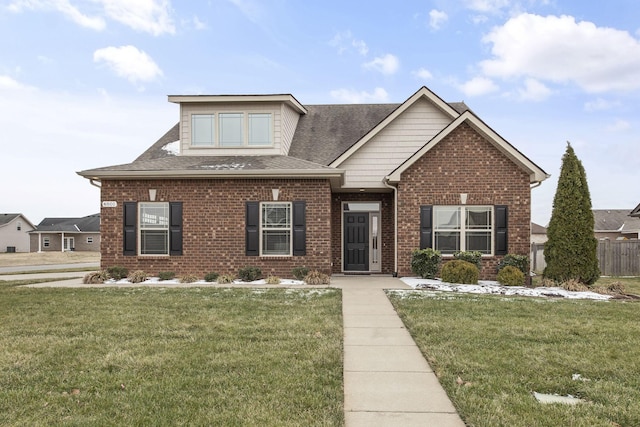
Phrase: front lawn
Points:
(491, 353)
(154, 356)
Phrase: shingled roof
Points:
(615, 220)
(87, 224)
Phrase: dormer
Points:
(224, 125)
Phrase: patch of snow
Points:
(230, 166)
(491, 287)
(157, 281)
(554, 398)
(172, 148)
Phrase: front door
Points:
(356, 241)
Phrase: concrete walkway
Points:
(387, 381)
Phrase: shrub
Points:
(521, 262)
(510, 276)
(459, 271)
(137, 276)
(272, 280)
(211, 277)
(95, 277)
(614, 288)
(317, 278)
(300, 272)
(189, 278)
(226, 278)
(249, 274)
(474, 257)
(574, 285)
(117, 272)
(166, 275)
(425, 262)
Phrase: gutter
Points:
(385, 181)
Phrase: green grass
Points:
(504, 349)
(165, 357)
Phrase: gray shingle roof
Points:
(7, 218)
(615, 220)
(90, 224)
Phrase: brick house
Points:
(262, 180)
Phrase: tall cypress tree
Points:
(571, 249)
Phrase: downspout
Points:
(385, 181)
(92, 182)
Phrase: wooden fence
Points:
(616, 257)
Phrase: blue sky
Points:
(84, 83)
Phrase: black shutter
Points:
(426, 227)
(175, 228)
(252, 229)
(299, 228)
(130, 220)
(501, 222)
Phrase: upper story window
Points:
(232, 130)
(463, 228)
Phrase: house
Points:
(265, 181)
(615, 224)
(67, 234)
(13, 232)
(538, 234)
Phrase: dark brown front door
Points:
(356, 241)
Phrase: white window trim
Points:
(245, 129)
(89, 239)
(463, 230)
(139, 229)
(46, 242)
(290, 229)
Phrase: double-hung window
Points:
(154, 228)
(232, 129)
(463, 228)
(275, 228)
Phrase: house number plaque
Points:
(109, 204)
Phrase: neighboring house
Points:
(615, 224)
(13, 232)
(67, 234)
(538, 233)
(265, 181)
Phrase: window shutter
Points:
(501, 230)
(299, 228)
(130, 220)
(175, 228)
(252, 229)
(426, 227)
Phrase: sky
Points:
(84, 83)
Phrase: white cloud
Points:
(198, 24)
(129, 62)
(62, 6)
(437, 18)
(478, 86)
(561, 50)
(354, 97)
(422, 74)
(360, 46)
(150, 16)
(387, 64)
(344, 41)
(619, 126)
(8, 83)
(600, 105)
(490, 6)
(534, 91)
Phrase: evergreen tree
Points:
(571, 249)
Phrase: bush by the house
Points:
(226, 278)
(574, 285)
(614, 288)
(211, 277)
(300, 272)
(425, 262)
(137, 276)
(95, 277)
(317, 278)
(474, 257)
(117, 272)
(189, 278)
(459, 271)
(510, 276)
(272, 280)
(521, 262)
(249, 274)
(166, 275)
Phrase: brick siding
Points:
(463, 162)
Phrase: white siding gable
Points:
(414, 127)
(289, 122)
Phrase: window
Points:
(45, 242)
(19, 227)
(236, 129)
(462, 228)
(203, 130)
(154, 228)
(89, 240)
(275, 229)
